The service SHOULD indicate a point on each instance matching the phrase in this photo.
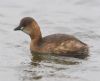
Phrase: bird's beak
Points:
(17, 28)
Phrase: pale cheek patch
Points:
(22, 28)
(26, 31)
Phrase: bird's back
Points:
(63, 44)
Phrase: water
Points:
(77, 17)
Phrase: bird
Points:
(54, 44)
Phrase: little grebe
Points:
(58, 44)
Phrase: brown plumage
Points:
(56, 44)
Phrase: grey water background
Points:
(76, 17)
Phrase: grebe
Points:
(56, 44)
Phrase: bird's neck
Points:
(36, 36)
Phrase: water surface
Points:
(77, 17)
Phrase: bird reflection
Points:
(37, 58)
